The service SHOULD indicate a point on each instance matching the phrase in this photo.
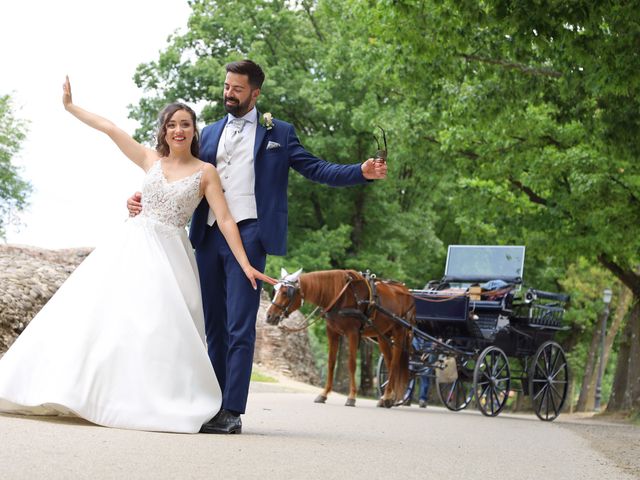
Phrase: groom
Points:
(252, 156)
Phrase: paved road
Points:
(286, 435)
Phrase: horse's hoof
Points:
(387, 403)
(320, 399)
(351, 402)
(380, 403)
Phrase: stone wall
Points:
(29, 276)
(287, 353)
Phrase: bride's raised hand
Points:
(253, 275)
(137, 153)
(66, 93)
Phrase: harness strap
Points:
(333, 302)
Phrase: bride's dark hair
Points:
(165, 115)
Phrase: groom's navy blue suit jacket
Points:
(275, 150)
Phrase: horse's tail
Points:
(404, 340)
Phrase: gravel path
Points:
(286, 435)
(618, 442)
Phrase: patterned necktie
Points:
(233, 135)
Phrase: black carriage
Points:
(470, 323)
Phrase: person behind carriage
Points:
(421, 347)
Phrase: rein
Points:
(306, 323)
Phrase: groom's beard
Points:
(236, 108)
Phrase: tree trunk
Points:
(587, 403)
(625, 394)
(572, 388)
(622, 308)
(358, 220)
(522, 403)
(366, 369)
(586, 400)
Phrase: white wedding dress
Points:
(122, 342)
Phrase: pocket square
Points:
(271, 145)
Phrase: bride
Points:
(121, 343)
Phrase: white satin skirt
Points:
(122, 342)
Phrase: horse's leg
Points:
(354, 339)
(387, 393)
(333, 337)
(394, 368)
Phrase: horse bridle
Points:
(292, 287)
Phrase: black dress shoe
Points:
(224, 422)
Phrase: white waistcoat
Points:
(237, 174)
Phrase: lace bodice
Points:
(170, 203)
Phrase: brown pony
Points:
(354, 306)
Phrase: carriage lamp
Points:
(606, 299)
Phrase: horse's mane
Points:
(322, 287)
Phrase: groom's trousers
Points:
(230, 309)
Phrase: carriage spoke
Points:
(451, 390)
(542, 362)
(543, 403)
(560, 370)
(549, 400)
(484, 392)
(491, 379)
(457, 395)
(542, 390)
(498, 396)
(555, 360)
(548, 381)
(493, 365)
(501, 370)
(493, 403)
(553, 390)
(547, 361)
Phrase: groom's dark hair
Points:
(249, 68)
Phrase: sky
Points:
(80, 180)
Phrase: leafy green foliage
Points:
(13, 189)
(311, 83)
(508, 123)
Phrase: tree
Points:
(311, 83)
(508, 122)
(13, 189)
(536, 106)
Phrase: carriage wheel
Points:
(457, 396)
(491, 381)
(548, 381)
(383, 379)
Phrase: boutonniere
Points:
(267, 120)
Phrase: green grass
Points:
(261, 377)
